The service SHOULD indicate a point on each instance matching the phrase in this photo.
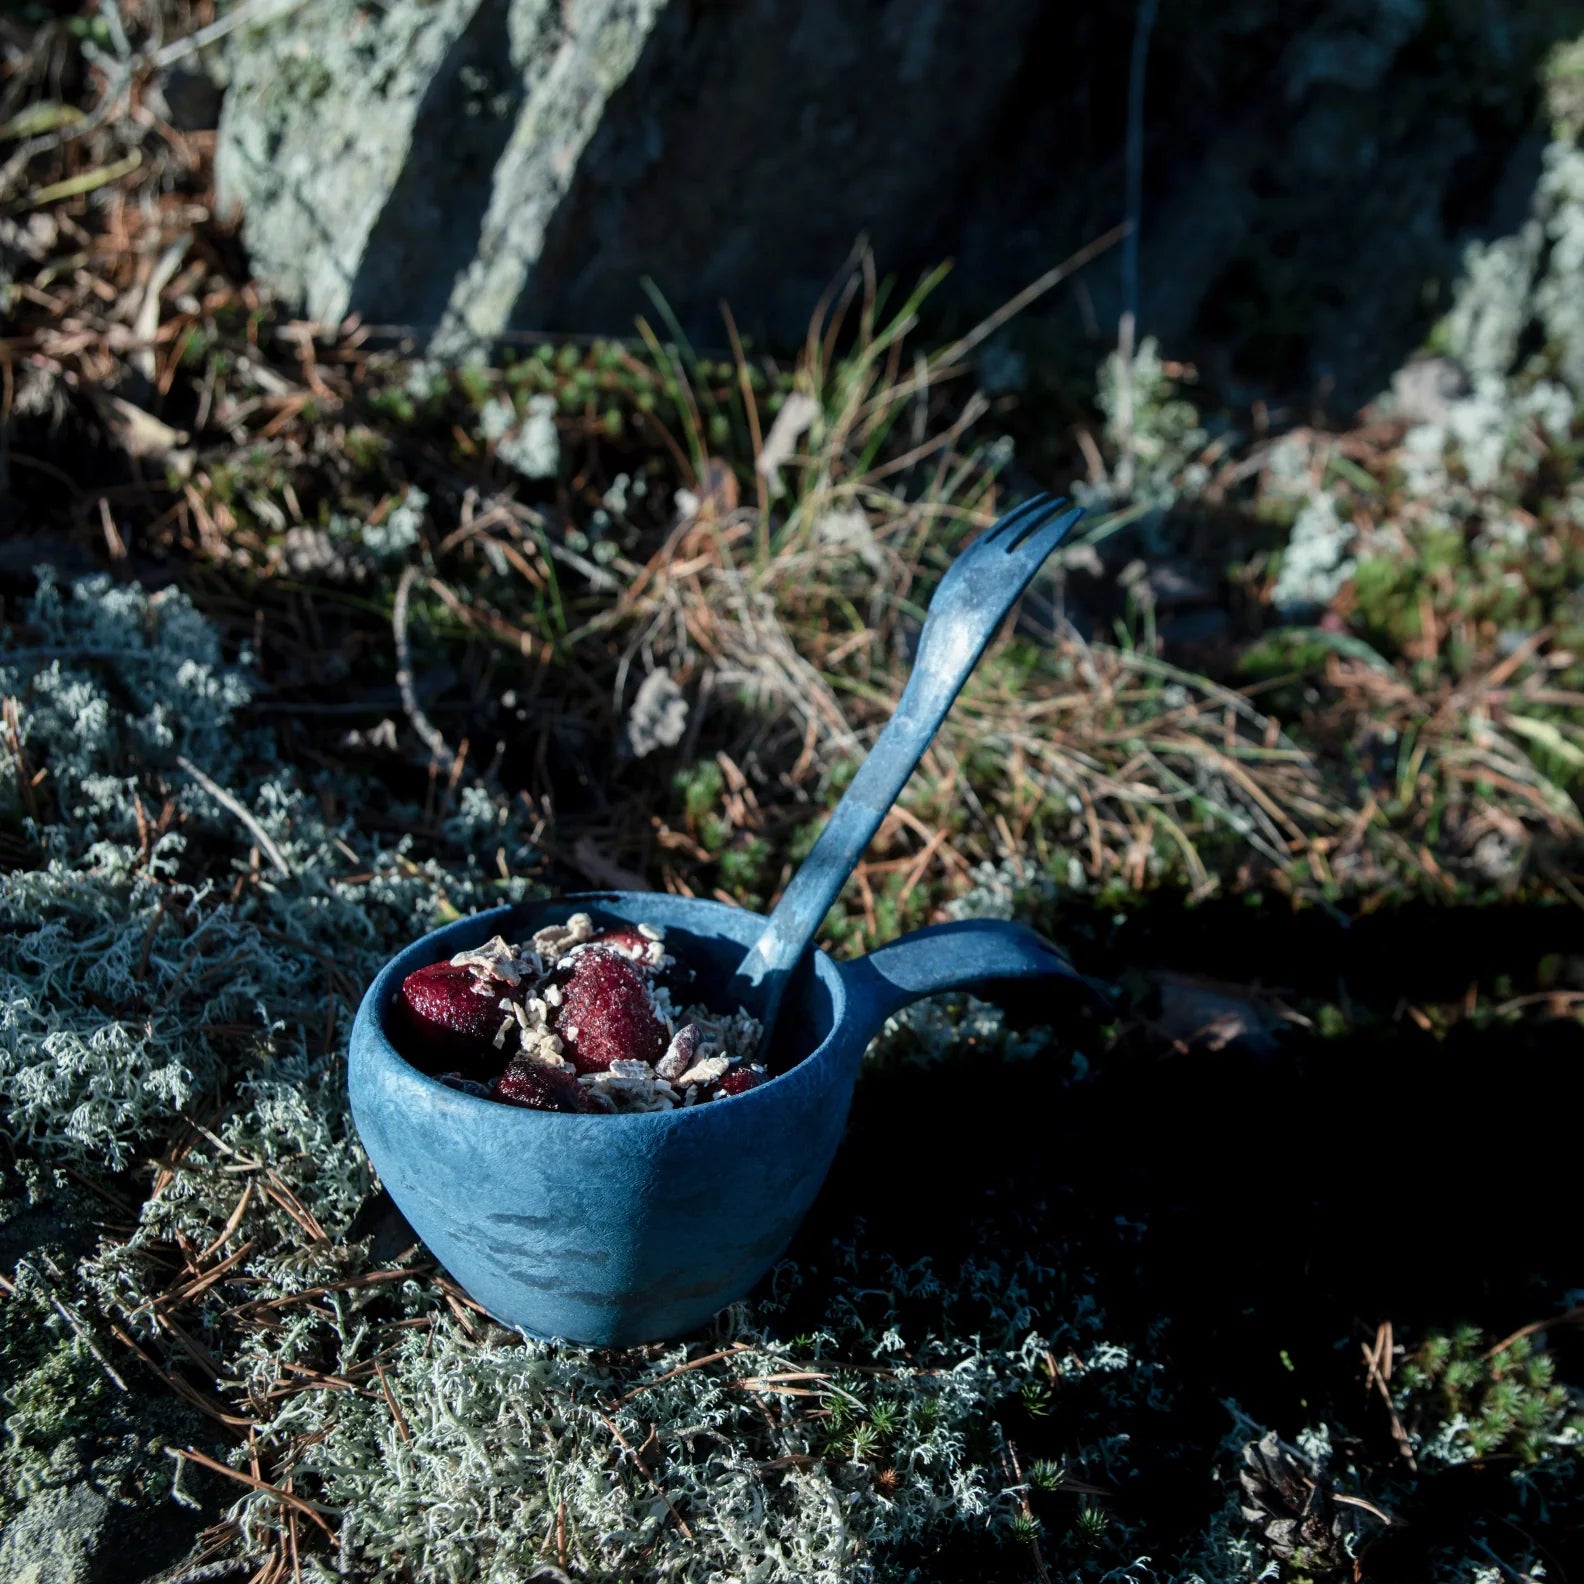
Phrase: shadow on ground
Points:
(1273, 1206)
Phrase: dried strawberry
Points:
(741, 1079)
(607, 1013)
(540, 1087)
(450, 1016)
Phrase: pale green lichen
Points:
(1563, 78)
(398, 531)
(1153, 428)
(1315, 564)
(1529, 284)
(132, 974)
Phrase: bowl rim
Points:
(369, 1039)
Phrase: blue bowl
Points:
(613, 1230)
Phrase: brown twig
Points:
(1567, 1317)
(643, 1468)
(427, 732)
(225, 800)
(311, 1510)
(682, 1369)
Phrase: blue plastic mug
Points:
(613, 1230)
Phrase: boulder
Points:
(55, 1537)
(465, 167)
(1312, 175)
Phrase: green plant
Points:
(1092, 1524)
(1046, 1475)
(1469, 1402)
(1023, 1528)
(1036, 1398)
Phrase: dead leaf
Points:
(140, 434)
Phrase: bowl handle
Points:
(985, 956)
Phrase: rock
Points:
(476, 165)
(1173, 584)
(465, 167)
(1195, 629)
(1310, 185)
(55, 1536)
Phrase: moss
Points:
(395, 404)
(743, 870)
(61, 1399)
(1469, 1402)
(701, 786)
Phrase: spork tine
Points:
(978, 590)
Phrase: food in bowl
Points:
(576, 1019)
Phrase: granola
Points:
(576, 1019)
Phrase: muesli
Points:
(577, 1019)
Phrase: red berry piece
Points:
(539, 1087)
(741, 1079)
(449, 1016)
(632, 943)
(607, 1014)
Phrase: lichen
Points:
(141, 964)
(1315, 564)
(1153, 429)
(532, 446)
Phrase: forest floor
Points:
(307, 645)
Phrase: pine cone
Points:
(1290, 1506)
